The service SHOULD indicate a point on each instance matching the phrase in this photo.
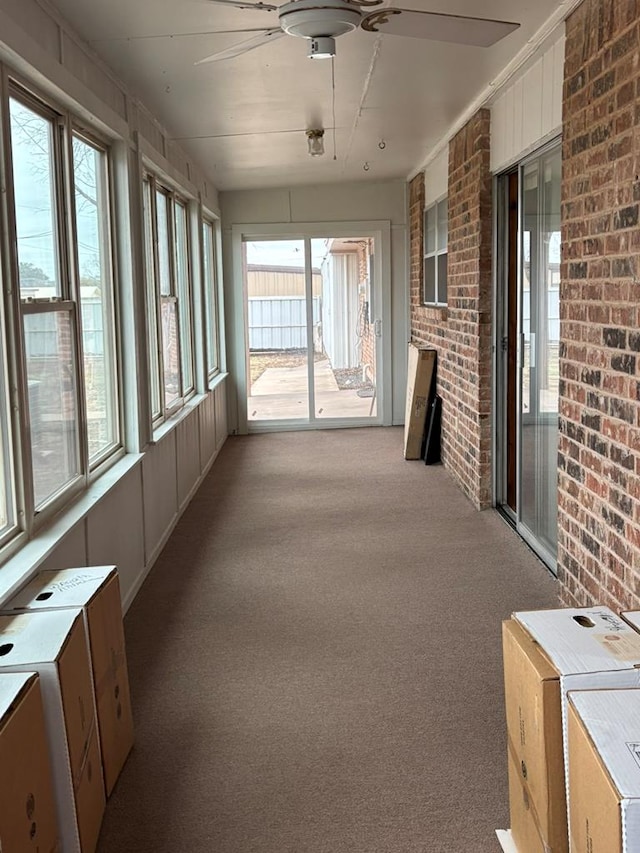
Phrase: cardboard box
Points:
(547, 653)
(604, 771)
(97, 592)
(420, 373)
(54, 645)
(28, 816)
(537, 799)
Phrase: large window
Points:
(93, 240)
(67, 369)
(211, 302)
(169, 324)
(435, 254)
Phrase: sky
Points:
(285, 253)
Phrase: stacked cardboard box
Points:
(604, 771)
(547, 654)
(96, 591)
(53, 644)
(27, 813)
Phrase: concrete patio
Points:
(281, 393)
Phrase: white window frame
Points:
(438, 251)
(156, 186)
(212, 299)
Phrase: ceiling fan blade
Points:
(480, 32)
(243, 46)
(246, 4)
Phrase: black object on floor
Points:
(432, 443)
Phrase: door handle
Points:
(377, 328)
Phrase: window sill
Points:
(25, 562)
(192, 403)
(172, 422)
(216, 380)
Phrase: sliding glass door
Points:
(313, 343)
(528, 333)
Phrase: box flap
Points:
(584, 639)
(611, 718)
(12, 684)
(31, 638)
(60, 588)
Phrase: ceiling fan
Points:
(322, 21)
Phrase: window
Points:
(169, 323)
(93, 240)
(435, 254)
(211, 298)
(67, 368)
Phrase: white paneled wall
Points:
(129, 525)
(528, 111)
(188, 457)
(71, 551)
(208, 442)
(115, 532)
(222, 430)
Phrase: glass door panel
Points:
(539, 312)
(344, 332)
(275, 292)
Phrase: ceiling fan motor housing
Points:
(314, 19)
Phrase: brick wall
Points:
(461, 332)
(599, 448)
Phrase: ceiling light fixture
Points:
(323, 47)
(315, 141)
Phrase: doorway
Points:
(313, 342)
(528, 340)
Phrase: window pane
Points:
(52, 394)
(34, 188)
(152, 316)
(442, 278)
(442, 224)
(96, 296)
(210, 297)
(430, 230)
(171, 358)
(183, 292)
(164, 264)
(430, 279)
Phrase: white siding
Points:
(528, 110)
(436, 177)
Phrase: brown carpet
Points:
(315, 659)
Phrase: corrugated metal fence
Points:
(280, 323)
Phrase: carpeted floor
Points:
(315, 659)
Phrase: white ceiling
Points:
(244, 119)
